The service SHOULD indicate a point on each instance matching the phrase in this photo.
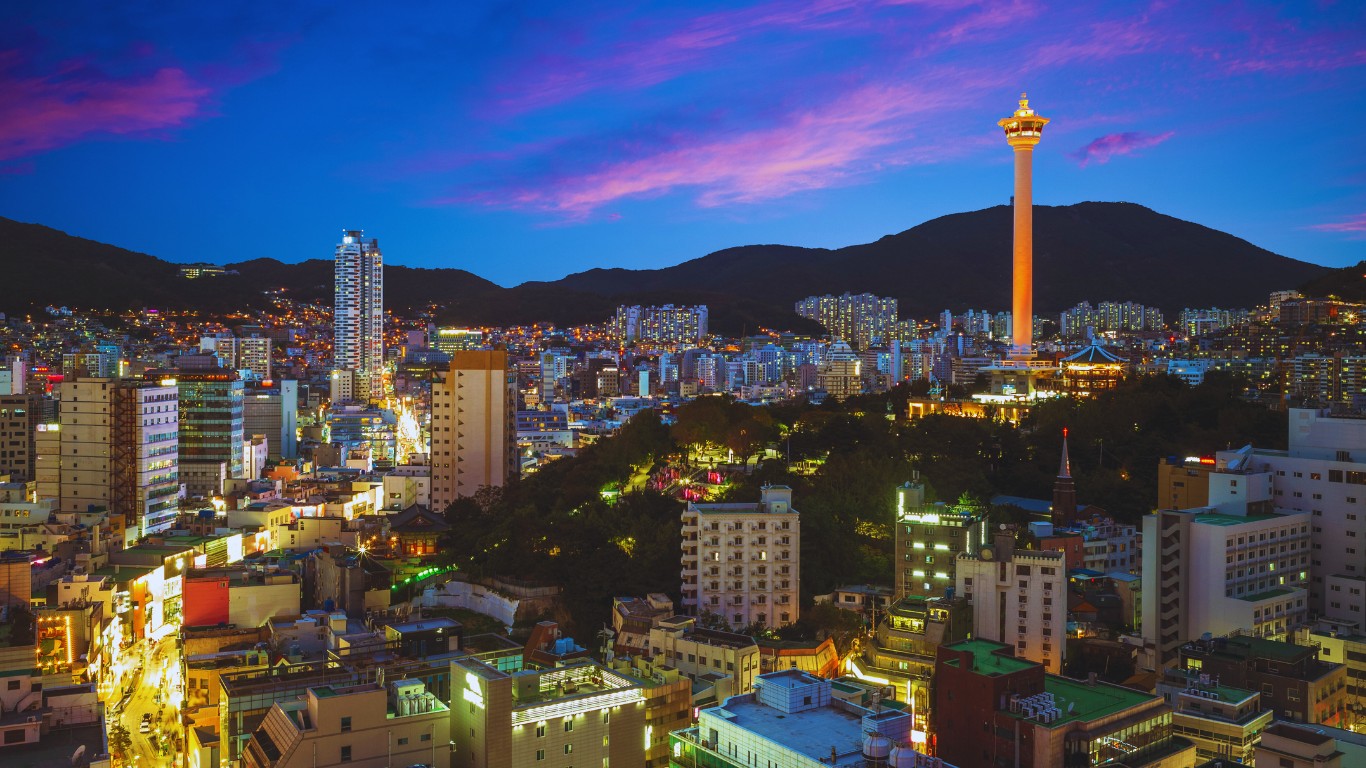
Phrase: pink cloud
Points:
(45, 112)
(1352, 225)
(1111, 145)
(863, 131)
(558, 79)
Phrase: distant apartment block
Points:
(664, 324)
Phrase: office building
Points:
(474, 426)
(211, 426)
(1222, 721)
(579, 714)
(358, 316)
(928, 540)
(742, 561)
(452, 340)
(995, 709)
(1292, 679)
(795, 720)
(1298, 746)
(1018, 597)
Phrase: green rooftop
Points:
(1090, 702)
(1267, 595)
(985, 659)
(1219, 518)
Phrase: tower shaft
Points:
(1022, 303)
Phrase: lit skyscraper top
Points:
(358, 318)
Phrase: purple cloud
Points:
(1355, 226)
(59, 109)
(1110, 145)
(866, 130)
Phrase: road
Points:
(151, 693)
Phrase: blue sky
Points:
(529, 140)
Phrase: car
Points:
(146, 726)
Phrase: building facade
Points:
(1018, 597)
(741, 562)
(474, 426)
(358, 314)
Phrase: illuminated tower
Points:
(1023, 130)
(358, 319)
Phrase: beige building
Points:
(696, 652)
(474, 426)
(1019, 597)
(582, 714)
(1222, 721)
(364, 726)
(742, 561)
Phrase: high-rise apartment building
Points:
(474, 426)
(665, 324)
(358, 315)
(861, 320)
(928, 540)
(1019, 597)
(842, 374)
(742, 561)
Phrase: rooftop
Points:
(810, 732)
(1219, 518)
(1081, 701)
(985, 659)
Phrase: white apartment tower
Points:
(1019, 597)
(742, 561)
(358, 315)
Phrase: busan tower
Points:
(1023, 130)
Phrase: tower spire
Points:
(1064, 490)
(1066, 469)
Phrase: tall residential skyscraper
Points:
(358, 316)
(1023, 131)
(474, 425)
(857, 319)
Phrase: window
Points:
(568, 748)
(540, 731)
(346, 754)
(346, 724)
(569, 725)
(425, 737)
(540, 754)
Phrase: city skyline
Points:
(547, 145)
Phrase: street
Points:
(152, 693)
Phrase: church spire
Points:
(1064, 490)
(1066, 469)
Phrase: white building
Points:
(741, 561)
(1237, 564)
(358, 315)
(796, 720)
(1019, 597)
(1323, 474)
